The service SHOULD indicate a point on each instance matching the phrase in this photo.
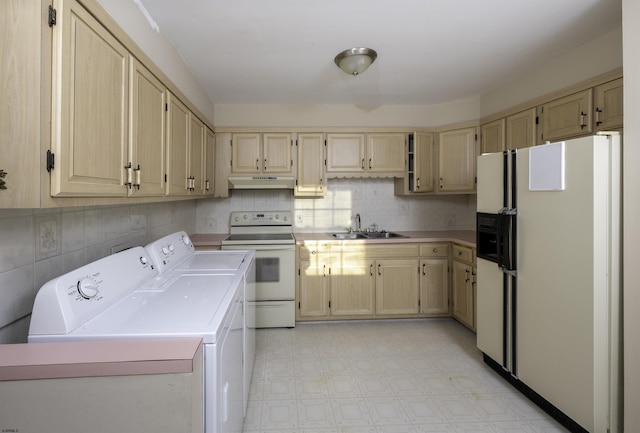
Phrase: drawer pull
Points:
(371, 269)
(435, 250)
(379, 272)
(424, 271)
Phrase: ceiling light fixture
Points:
(355, 61)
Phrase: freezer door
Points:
(490, 311)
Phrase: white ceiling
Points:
(429, 51)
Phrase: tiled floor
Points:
(382, 376)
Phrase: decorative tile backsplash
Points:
(373, 199)
(38, 245)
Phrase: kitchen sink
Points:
(383, 235)
(366, 235)
(352, 235)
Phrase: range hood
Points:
(261, 182)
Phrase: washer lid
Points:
(181, 305)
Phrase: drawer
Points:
(434, 250)
(379, 251)
(312, 249)
(462, 253)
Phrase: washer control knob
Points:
(284, 218)
(245, 216)
(144, 260)
(87, 288)
(185, 240)
(171, 248)
(165, 250)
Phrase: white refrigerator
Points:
(549, 276)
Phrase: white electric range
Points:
(123, 296)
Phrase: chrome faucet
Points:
(357, 218)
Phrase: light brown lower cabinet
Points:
(355, 281)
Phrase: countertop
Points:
(464, 237)
(98, 358)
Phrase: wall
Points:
(595, 57)
(228, 115)
(38, 245)
(631, 213)
(160, 50)
(373, 199)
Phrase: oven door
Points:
(275, 270)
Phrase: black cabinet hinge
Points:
(165, 178)
(476, 137)
(50, 161)
(166, 107)
(52, 16)
(329, 304)
(298, 305)
(537, 120)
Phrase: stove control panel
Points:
(271, 218)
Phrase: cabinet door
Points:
(457, 156)
(196, 155)
(352, 288)
(462, 291)
(608, 105)
(423, 160)
(567, 117)
(345, 153)
(313, 288)
(245, 153)
(310, 177)
(209, 166)
(385, 153)
(178, 125)
(277, 153)
(434, 286)
(397, 286)
(521, 129)
(492, 136)
(147, 132)
(90, 106)
(21, 93)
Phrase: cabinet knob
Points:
(435, 250)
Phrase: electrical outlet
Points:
(299, 218)
(403, 209)
(211, 225)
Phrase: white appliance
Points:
(548, 277)
(175, 253)
(270, 234)
(123, 296)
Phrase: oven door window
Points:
(267, 270)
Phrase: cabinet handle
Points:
(441, 182)
(138, 181)
(418, 183)
(363, 163)
(583, 117)
(435, 250)
(257, 164)
(324, 270)
(598, 121)
(265, 163)
(460, 253)
(379, 272)
(369, 163)
(466, 272)
(371, 269)
(206, 182)
(424, 271)
(129, 181)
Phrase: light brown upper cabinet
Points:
(310, 175)
(146, 166)
(567, 117)
(261, 153)
(457, 160)
(196, 157)
(521, 129)
(377, 154)
(209, 167)
(178, 125)
(608, 105)
(420, 173)
(493, 136)
(90, 106)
